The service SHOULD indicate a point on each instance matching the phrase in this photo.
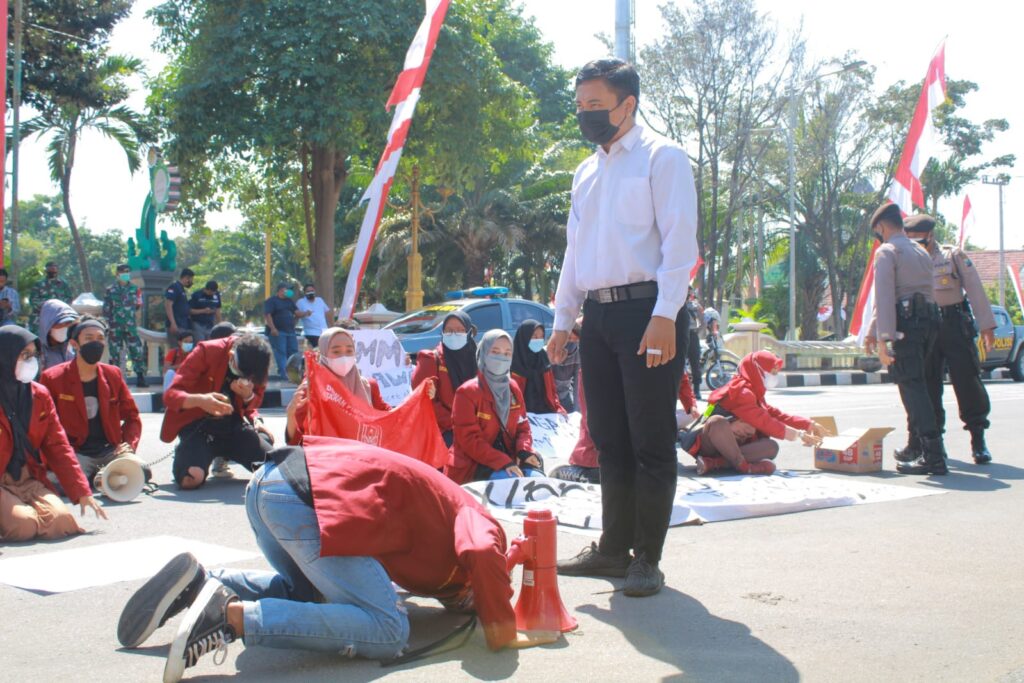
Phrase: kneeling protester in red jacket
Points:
(741, 427)
(341, 522)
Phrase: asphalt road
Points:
(924, 589)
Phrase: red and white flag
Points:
(1015, 281)
(967, 220)
(905, 191)
(404, 97)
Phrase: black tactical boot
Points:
(911, 452)
(140, 381)
(979, 451)
(932, 462)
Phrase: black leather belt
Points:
(952, 308)
(611, 295)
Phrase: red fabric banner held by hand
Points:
(410, 428)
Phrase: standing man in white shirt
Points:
(631, 242)
(316, 315)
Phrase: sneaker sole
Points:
(605, 573)
(149, 604)
(646, 592)
(174, 669)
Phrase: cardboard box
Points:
(853, 450)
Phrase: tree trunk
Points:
(327, 179)
(65, 192)
(307, 210)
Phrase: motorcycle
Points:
(717, 363)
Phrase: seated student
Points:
(176, 356)
(450, 365)
(212, 407)
(337, 353)
(55, 319)
(379, 519)
(93, 403)
(492, 433)
(32, 442)
(531, 370)
(739, 434)
(223, 329)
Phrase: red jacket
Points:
(202, 372)
(550, 393)
(118, 412)
(430, 365)
(48, 437)
(300, 415)
(744, 397)
(585, 453)
(686, 395)
(431, 536)
(476, 427)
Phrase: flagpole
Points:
(1001, 181)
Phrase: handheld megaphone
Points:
(122, 479)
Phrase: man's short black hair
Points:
(222, 329)
(50, 264)
(183, 334)
(211, 285)
(253, 354)
(3, 272)
(123, 268)
(620, 76)
(308, 285)
(84, 322)
(187, 272)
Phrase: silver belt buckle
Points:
(604, 296)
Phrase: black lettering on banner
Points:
(567, 487)
(532, 486)
(512, 492)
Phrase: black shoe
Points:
(140, 381)
(933, 461)
(979, 451)
(592, 562)
(170, 591)
(643, 578)
(203, 630)
(577, 473)
(908, 453)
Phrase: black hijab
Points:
(532, 367)
(462, 363)
(15, 396)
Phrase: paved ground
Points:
(923, 589)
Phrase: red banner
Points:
(411, 428)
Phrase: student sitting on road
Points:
(32, 443)
(380, 519)
(450, 365)
(55, 319)
(492, 433)
(531, 370)
(176, 356)
(740, 431)
(93, 402)
(212, 407)
(337, 353)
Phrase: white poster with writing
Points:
(554, 437)
(379, 355)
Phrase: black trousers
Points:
(631, 415)
(693, 355)
(956, 349)
(908, 371)
(225, 437)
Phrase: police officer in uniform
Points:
(956, 346)
(904, 325)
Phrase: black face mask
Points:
(310, 295)
(51, 275)
(923, 242)
(91, 352)
(596, 125)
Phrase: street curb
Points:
(153, 402)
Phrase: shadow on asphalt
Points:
(215, 490)
(678, 630)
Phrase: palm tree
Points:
(66, 123)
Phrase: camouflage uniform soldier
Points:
(119, 305)
(50, 288)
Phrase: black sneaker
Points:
(203, 630)
(170, 591)
(592, 562)
(643, 578)
(577, 473)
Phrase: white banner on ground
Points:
(698, 499)
(554, 436)
(379, 355)
(106, 563)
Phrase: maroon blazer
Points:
(118, 412)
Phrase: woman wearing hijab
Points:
(450, 365)
(336, 351)
(740, 432)
(531, 370)
(492, 433)
(32, 442)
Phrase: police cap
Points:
(888, 212)
(920, 222)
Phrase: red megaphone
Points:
(540, 606)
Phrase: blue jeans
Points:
(527, 472)
(346, 605)
(285, 344)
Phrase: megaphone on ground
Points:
(540, 606)
(122, 479)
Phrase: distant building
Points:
(987, 263)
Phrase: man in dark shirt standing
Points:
(280, 313)
(204, 309)
(176, 304)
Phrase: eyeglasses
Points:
(28, 355)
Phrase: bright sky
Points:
(898, 38)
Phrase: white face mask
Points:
(26, 370)
(771, 380)
(455, 340)
(60, 334)
(340, 366)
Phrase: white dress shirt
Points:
(633, 219)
